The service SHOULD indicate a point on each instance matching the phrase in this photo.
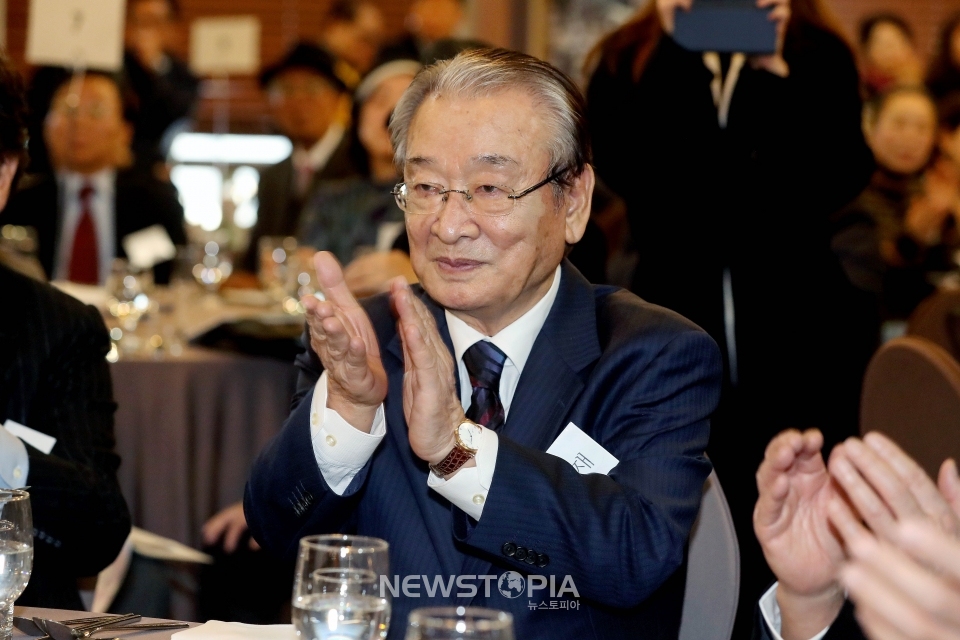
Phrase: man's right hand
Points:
(343, 338)
(668, 9)
(790, 521)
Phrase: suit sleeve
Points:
(80, 516)
(287, 496)
(619, 536)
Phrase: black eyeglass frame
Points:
(469, 197)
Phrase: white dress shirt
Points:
(317, 156)
(342, 451)
(102, 206)
(770, 610)
(14, 462)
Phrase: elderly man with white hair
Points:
(504, 415)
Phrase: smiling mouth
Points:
(457, 264)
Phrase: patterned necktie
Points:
(484, 363)
(84, 257)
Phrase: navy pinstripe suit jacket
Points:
(640, 380)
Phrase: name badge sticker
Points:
(582, 451)
(32, 437)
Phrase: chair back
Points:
(937, 319)
(911, 392)
(713, 570)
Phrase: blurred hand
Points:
(430, 401)
(668, 9)
(897, 527)
(371, 273)
(790, 521)
(905, 589)
(779, 13)
(229, 525)
(343, 338)
(941, 198)
(883, 485)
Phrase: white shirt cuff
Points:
(14, 461)
(770, 609)
(468, 488)
(341, 450)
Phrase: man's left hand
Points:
(430, 401)
(779, 13)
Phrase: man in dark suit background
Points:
(84, 211)
(432, 432)
(309, 103)
(54, 379)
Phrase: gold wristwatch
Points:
(467, 437)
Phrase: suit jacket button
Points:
(508, 549)
(543, 560)
(532, 557)
(521, 554)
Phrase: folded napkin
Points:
(216, 630)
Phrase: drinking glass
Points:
(16, 553)
(337, 591)
(459, 623)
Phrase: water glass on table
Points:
(337, 591)
(16, 553)
(459, 623)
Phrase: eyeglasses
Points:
(424, 198)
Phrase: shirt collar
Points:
(516, 339)
(319, 154)
(101, 181)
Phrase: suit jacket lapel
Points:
(552, 378)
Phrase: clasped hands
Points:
(343, 338)
(870, 522)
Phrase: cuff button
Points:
(508, 549)
(543, 560)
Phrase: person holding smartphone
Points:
(730, 165)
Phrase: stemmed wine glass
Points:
(16, 553)
(337, 592)
(459, 623)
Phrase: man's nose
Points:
(454, 220)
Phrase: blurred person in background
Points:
(901, 230)
(353, 33)
(166, 90)
(730, 167)
(84, 211)
(358, 219)
(888, 53)
(160, 87)
(427, 22)
(944, 76)
(309, 103)
(55, 380)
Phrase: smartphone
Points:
(726, 26)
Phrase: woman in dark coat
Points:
(731, 167)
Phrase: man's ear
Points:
(8, 170)
(576, 204)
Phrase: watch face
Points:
(470, 434)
